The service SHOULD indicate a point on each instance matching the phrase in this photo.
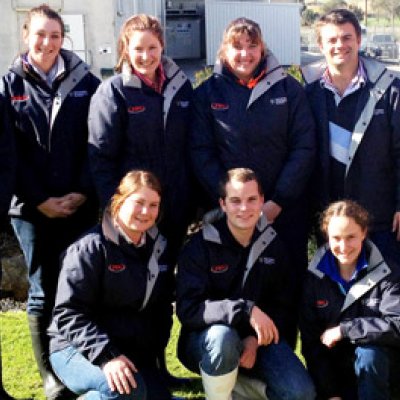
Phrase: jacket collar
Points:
(132, 80)
(211, 233)
(313, 72)
(114, 235)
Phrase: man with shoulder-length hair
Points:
(355, 101)
(235, 302)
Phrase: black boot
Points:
(53, 388)
(171, 381)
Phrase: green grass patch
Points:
(20, 374)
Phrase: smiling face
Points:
(44, 40)
(243, 204)
(345, 240)
(243, 56)
(340, 44)
(145, 52)
(139, 212)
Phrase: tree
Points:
(332, 4)
(308, 17)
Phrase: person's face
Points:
(145, 53)
(243, 204)
(44, 40)
(345, 240)
(139, 211)
(243, 56)
(340, 44)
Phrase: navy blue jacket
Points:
(269, 129)
(373, 179)
(113, 298)
(7, 159)
(50, 130)
(218, 281)
(368, 314)
(134, 127)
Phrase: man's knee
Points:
(223, 348)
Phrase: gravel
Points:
(9, 304)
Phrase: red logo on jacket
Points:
(321, 303)
(24, 97)
(136, 109)
(217, 269)
(116, 267)
(219, 106)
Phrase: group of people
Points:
(261, 156)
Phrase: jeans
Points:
(217, 351)
(372, 368)
(82, 377)
(42, 243)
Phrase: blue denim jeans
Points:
(42, 243)
(82, 377)
(372, 368)
(217, 350)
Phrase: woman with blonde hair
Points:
(113, 294)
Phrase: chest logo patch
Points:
(267, 260)
(220, 268)
(183, 103)
(116, 268)
(136, 109)
(279, 101)
(322, 303)
(24, 97)
(219, 106)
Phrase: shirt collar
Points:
(56, 70)
(358, 81)
(329, 267)
(160, 79)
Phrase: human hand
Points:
(331, 336)
(249, 354)
(53, 208)
(335, 398)
(73, 200)
(119, 373)
(265, 328)
(396, 225)
(271, 210)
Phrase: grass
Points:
(21, 377)
(20, 374)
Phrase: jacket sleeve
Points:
(395, 124)
(85, 182)
(77, 302)
(203, 148)
(106, 130)
(194, 309)
(28, 185)
(317, 355)
(7, 159)
(381, 330)
(293, 179)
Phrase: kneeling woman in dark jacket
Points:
(114, 293)
(350, 322)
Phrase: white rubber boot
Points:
(219, 387)
(249, 389)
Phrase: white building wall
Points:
(280, 24)
(99, 29)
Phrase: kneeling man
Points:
(234, 301)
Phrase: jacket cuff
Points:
(248, 306)
(109, 353)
